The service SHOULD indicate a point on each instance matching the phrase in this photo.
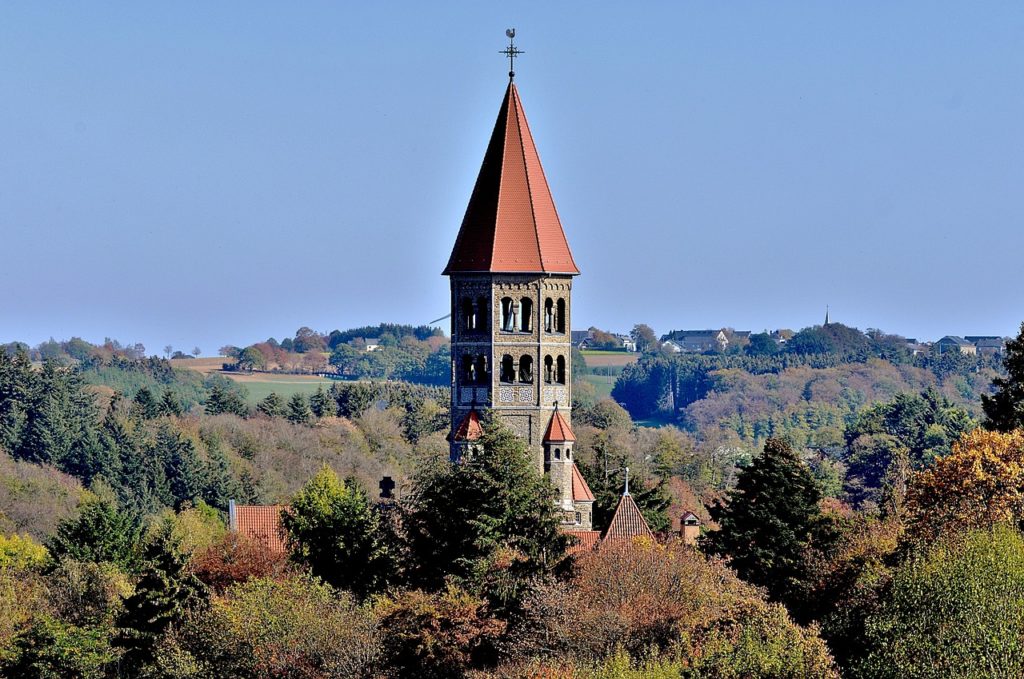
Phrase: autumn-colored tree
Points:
(980, 484)
(235, 558)
(438, 635)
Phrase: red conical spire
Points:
(511, 224)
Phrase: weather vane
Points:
(511, 52)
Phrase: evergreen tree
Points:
(271, 406)
(169, 404)
(17, 383)
(166, 591)
(1004, 410)
(652, 499)
(145, 404)
(222, 400)
(335, 531)
(298, 409)
(768, 520)
(182, 468)
(463, 515)
(354, 399)
(321, 403)
(101, 532)
(221, 487)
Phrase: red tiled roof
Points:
(586, 540)
(627, 522)
(469, 429)
(511, 224)
(262, 524)
(558, 430)
(580, 489)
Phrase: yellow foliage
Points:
(980, 484)
(21, 552)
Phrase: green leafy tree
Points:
(271, 406)
(335, 531)
(54, 649)
(1004, 410)
(761, 344)
(298, 409)
(251, 359)
(100, 532)
(644, 337)
(463, 515)
(955, 611)
(768, 520)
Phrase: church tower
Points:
(511, 274)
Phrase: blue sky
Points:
(212, 173)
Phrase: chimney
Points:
(689, 528)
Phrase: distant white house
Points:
(673, 346)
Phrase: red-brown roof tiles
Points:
(469, 429)
(627, 522)
(580, 489)
(511, 224)
(586, 540)
(559, 430)
(262, 524)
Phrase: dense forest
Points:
(861, 508)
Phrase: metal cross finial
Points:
(511, 52)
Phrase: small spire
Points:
(511, 52)
(626, 492)
(826, 314)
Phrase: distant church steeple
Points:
(826, 314)
(511, 273)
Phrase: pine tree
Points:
(101, 532)
(322, 404)
(17, 383)
(298, 409)
(1004, 410)
(768, 520)
(463, 515)
(271, 406)
(183, 469)
(145, 404)
(166, 591)
(222, 400)
(169, 404)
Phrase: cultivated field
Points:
(609, 359)
(257, 385)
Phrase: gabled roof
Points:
(261, 524)
(559, 430)
(953, 339)
(469, 429)
(580, 489)
(511, 224)
(627, 522)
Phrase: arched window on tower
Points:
(508, 371)
(560, 317)
(526, 369)
(549, 315)
(468, 315)
(549, 369)
(560, 370)
(508, 314)
(468, 369)
(481, 369)
(483, 307)
(526, 314)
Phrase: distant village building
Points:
(672, 346)
(989, 345)
(954, 343)
(700, 341)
